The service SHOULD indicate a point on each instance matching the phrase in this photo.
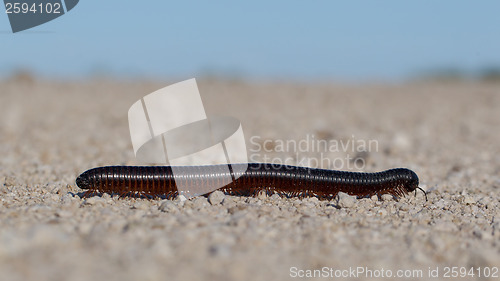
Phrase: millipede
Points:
(248, 180)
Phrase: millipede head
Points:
(83, 181)
(411, 181)
(412, 184)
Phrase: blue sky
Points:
(348, 40)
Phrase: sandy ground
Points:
(448, 133)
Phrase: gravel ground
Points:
(447, 132)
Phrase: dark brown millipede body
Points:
(281, 179)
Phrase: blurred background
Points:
(350, 41)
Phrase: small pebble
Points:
(345, 201)
(381, 212)
(262, 195)
(10, 181)
(387, 197)
(200, 202)
(168, 207)
(468, 200)
(180, 198)
(93, 200)
(216, 197)
(275, 197)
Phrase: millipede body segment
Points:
(281, 179)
